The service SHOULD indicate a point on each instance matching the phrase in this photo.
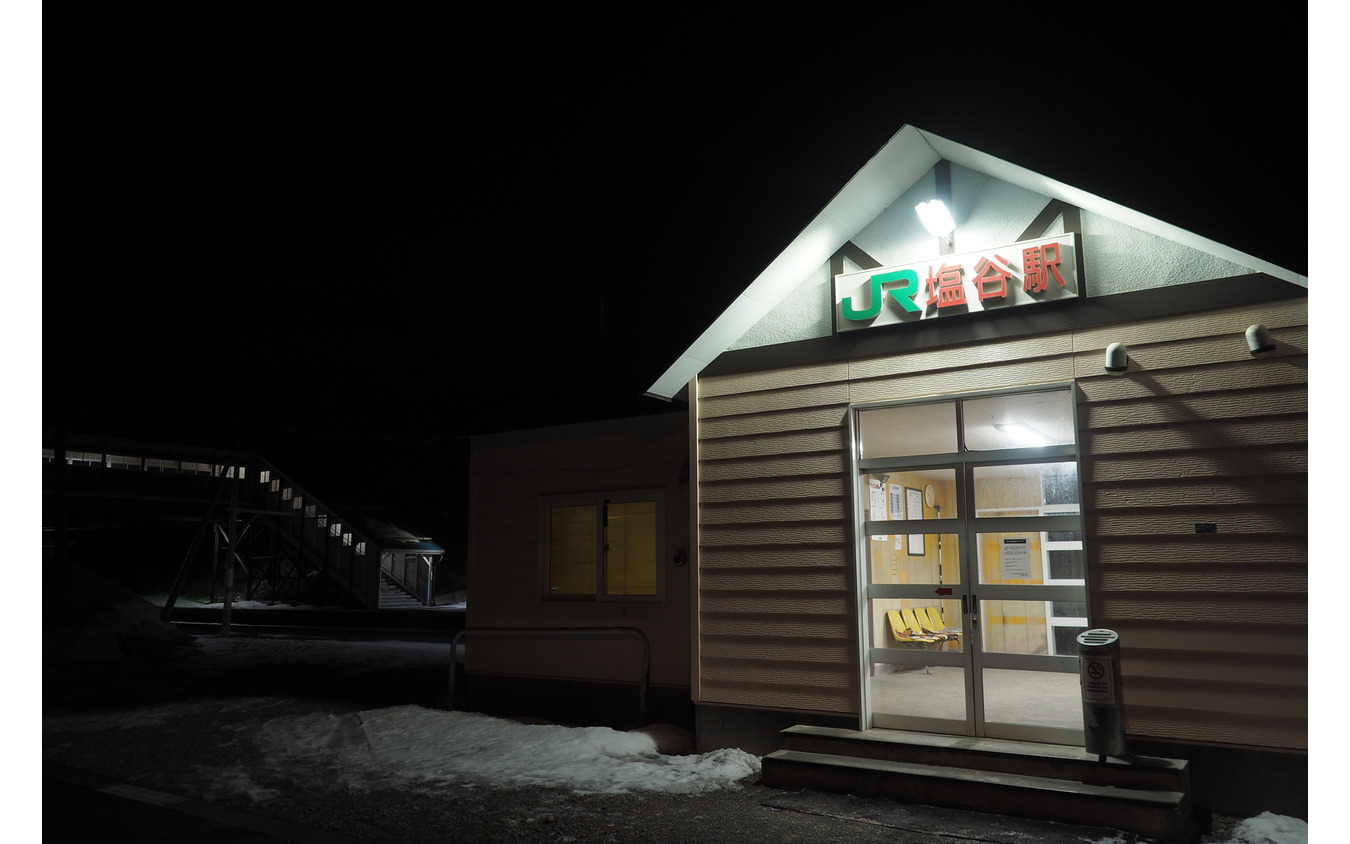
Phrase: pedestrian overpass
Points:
(286, 545)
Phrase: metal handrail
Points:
(560, 633)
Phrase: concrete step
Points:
(1150, 797)
(995, 755)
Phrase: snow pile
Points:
(86, 616)
(1267, 828)
(434, 748)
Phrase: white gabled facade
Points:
(1191, 474)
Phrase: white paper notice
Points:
(1016, 559)
(877, 507)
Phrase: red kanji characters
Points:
(945, 288)
(991, 279)
(1038, 264)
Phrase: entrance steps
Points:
(1148, 796)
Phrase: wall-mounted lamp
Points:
(1117, 359)
(936, 218)
(1259, 340)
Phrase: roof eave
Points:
(896, 167)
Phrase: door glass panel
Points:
(917, 624)
(917, 691)
(1020, 420)
(1011, 558)
(1042, 698)
(941, 654)
(914, 559)
(903, 495)
(1026, 489)
(908, 430)
(1015, 627)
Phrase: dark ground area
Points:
(110, 756)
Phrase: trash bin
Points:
(1099, 680)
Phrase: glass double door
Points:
(971, 565)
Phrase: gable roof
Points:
(896, 167)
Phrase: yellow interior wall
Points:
(889, 564)
(1010, 626)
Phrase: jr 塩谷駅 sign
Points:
(1032, 272)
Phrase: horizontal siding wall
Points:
(509, 476)
(775, 583)
(1213, 626)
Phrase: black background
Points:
(340, 229)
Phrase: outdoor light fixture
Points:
(1117, 359)
(1259, 340)
(936, 218)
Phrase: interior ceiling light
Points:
(1023, 433)
(936, 218)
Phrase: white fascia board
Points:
(973, 159)
(897, 166)
(888, 174)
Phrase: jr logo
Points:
(904, 296)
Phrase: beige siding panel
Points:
(822, 418)
(746, 580)
(1232, 322)
(768, 649)
(780, 467)
(767, 445)
(1213, 626)
(1275, 551)
(787, 557)
(766, 402)
(1146, 357)
(770, 380)
(812, 698)
(1261, 641)
(1220, 463)
(1280, 400)
(781, 602)
(1096, 387)
(786, 672)
(1292, 489)
(784, 489)
(1235, 698)
(802, 534)
(1199, 435)
(1232, 609)
(1272, 519)
(1185, 576)
(775, 511)
(1217, 727)
(823, 628)
(1009, 374)
(1275, 670)
(987, 354)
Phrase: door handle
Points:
(974, 609)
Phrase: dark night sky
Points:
(296, 225)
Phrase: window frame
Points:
(547, 503)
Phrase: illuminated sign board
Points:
(1033, 272)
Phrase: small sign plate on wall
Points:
(1032, 272)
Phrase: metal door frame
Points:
(967, 525)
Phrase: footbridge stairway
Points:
(286, 544)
